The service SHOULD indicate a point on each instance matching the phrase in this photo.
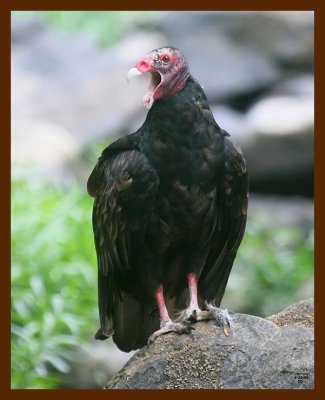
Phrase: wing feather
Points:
(124, 186)
(232, 201)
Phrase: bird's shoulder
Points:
(234, 158)
(118, 152)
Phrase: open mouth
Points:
(155, 81)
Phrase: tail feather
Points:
(133, 322)
(106, 330)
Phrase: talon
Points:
(151, 339)
(226, 323)
(178, 327)
(221, 317)
(188, 324)
(193, 317)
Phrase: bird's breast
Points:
(194, 200)
(186, 212)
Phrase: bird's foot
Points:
(170, 326)
(222, 317)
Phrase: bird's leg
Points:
(192, 286)
(164, 316)
(166, 323)
(194, 313)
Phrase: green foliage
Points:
(105, 27)
(273, 269)
(54, 278)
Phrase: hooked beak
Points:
(141, 68)
(132, 73)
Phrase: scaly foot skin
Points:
(212, 313)
(178, 327)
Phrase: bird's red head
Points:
(169, 73)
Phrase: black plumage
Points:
(169, 211)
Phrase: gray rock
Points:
(222, 65)
(25, 28)
(287, 36)
(258, 353)
(47, 143)
(233, 53)
(301, 314)
(232, 121)
(282, 165)
(300, 85)
(70, 82)
(282, 115)
(277, 138)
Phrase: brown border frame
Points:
(5, 197)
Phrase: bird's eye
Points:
(165, 59)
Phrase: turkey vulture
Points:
(169, 211)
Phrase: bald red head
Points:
(169, 73)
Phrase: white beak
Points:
(132, 73)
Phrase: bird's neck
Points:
(171, 84)
(173, 106)
(173, 121)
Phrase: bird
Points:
(169, 213)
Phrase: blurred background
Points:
(70, 99)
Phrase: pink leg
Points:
(164, 316)
(194, 312)
(192, 285)
(166, 324)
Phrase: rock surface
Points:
(237, 52)
(274, 353)
(301, 314)
(281, 164)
